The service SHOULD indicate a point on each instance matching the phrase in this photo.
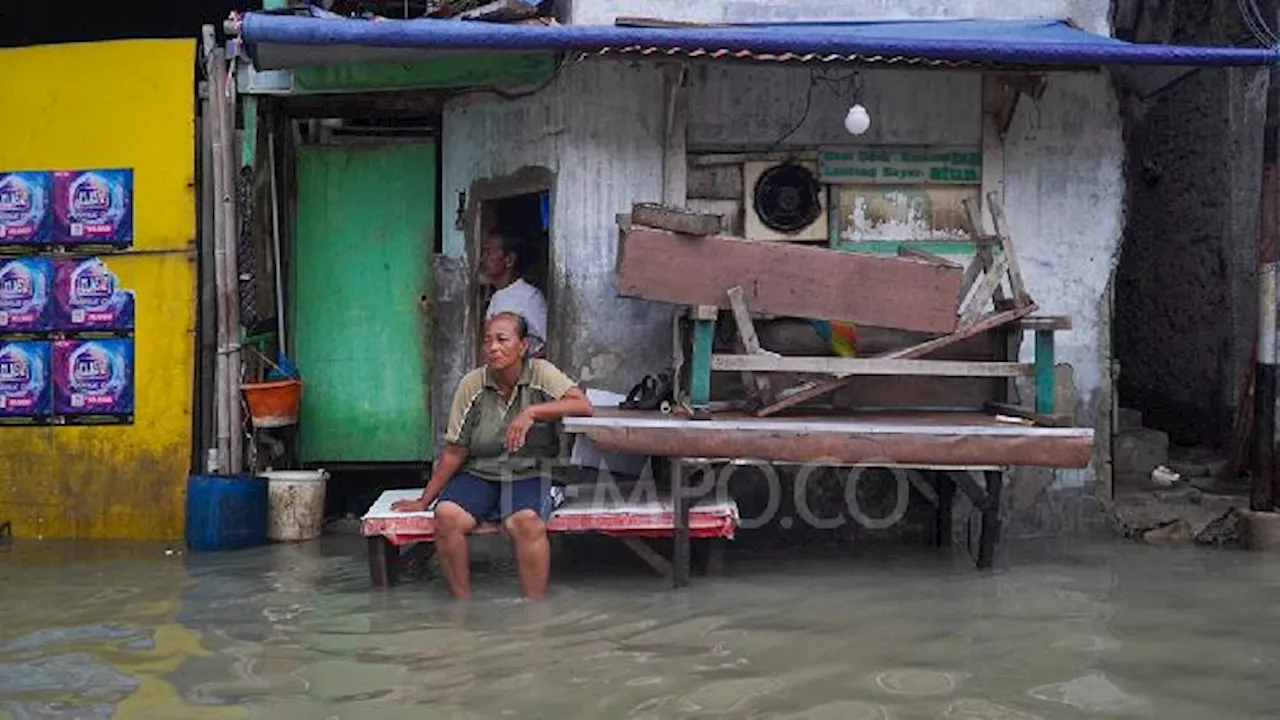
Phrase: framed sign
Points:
(901, 165)
(882, 196)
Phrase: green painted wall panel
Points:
(478, 70)
(365, 232)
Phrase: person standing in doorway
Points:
(502, 259)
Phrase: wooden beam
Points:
(1046, 322)
(1026, 413)
(675, 219)
(1016, 284)
(983, 250)
(868, 366)
(787, 279)
(915, 351)
(985, 292)
(648, 555)
(907, 252)
(748, 342)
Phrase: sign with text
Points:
(901, 165)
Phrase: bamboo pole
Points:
(216, 117)
(231, 236)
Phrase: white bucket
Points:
(295, 500)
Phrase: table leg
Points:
(383, 558)
(1044, 372)
(946, 488)
(990, 520)
(704, 331)
(680, 506)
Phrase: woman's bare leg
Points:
(453, 524)
(533, 552)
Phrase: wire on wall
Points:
(843, 85)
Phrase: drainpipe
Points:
(1265, 488)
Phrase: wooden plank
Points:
(991, 322)
(925, 256)
(985, 292)
(1016, 283)
(974, 213)
(742, 316)
(748, 342)
(868, 366)
(675, 219)
(648, 555)
(971, 273)
(1046, 322)
(787, 279)
(819, 389)
(1026, 413)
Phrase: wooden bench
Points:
(631, 512)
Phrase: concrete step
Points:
(1128, 419)
(1138, 451)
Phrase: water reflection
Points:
(293, 631)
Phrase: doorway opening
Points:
(524, 220)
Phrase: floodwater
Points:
(1112, 630)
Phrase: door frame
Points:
(525, 181)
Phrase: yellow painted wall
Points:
(105, 105)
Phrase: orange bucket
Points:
(273, 404)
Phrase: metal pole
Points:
(216, 116)
(1264, 491)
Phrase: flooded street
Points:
(1062, 631)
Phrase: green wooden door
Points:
(366, 224)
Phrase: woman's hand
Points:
(518, 431)
(417, 504)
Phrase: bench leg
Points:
(384, 556)
(990, 520)
(680, 505)
(946, 488)
(715, 556)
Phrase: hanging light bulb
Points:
(857, 121)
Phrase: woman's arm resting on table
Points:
(573, 403)
(450, 461)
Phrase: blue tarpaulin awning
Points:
(278, 41)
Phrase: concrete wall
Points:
(126, 481)
(1091, 15)
(599, 128)
(1186, 287)
(1064, 197)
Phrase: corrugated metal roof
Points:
(1041, 43)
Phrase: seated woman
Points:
(501, 432)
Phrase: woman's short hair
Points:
(522, 325)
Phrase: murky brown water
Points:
(1076, 631)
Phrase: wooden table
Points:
(955, 445)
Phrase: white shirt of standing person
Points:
(526, 301)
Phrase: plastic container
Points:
(226, 512)
(295, 504)
(273, 404)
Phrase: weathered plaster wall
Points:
(1186, 287)
(599, 128)
(1089, 14)
(1064, 197)
(603, 136)
(753, 107)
